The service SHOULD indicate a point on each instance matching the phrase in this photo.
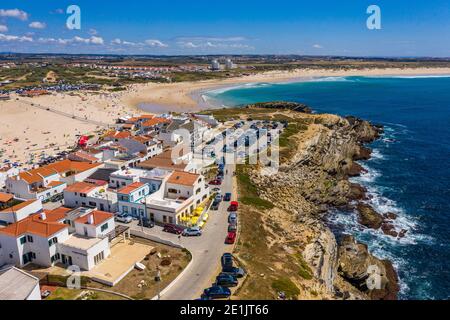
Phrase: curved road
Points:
(206, 250)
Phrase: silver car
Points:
(192, 232)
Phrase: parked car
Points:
(170, 228)
(227, 260)
(192, 232)
(146, 223)
(216, 190)
(232, 228)
(232, 218)
(215, 206)
(231, 238)
(234, 206)
(227, 197)
(236, 272)
(217, 292)
(45, 294)
(218, 197)
(124, 218)
(226, 280)
(215, 182)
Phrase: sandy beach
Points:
(179, 97)
(27, 131)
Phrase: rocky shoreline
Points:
(315, 180)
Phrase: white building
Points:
(179, 197)
(215, 65)
(44, 239)
(13, 210)
(16, 284)
(229, 64)
(5, 173)
(89, 195)
(132, 199)
(46, 182)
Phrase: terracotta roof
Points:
(81, 187)
(38, 175)
(142, 139)
(57, 214)
(154, 122)
(85, 156)
(20, 206)
(163, 163)
(118, 134)
(183, 178)
(130, 188)
(55, 184)
(5, 197)
(99, 217)
(33, 225)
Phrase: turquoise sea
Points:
(409, 173)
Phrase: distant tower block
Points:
(215, 65)
(229, 64)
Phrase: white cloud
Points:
(93, 32)
(116, 41)
(92, 40)
(3, 28)
(155, 43)
(4, 37)
(212, 39)
(213, 44)
(317, 46)
(97, 40)
(14, 13)
(37, 25)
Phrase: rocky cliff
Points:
(315, 179)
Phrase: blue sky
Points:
(321, 27)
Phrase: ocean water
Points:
(409, 173)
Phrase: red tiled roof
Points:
(130, 188)
(57, 214)
(183, 178)
(81, 187)
(99, 217)
(154, 122)
(33, 225)
(20, 206)
(5, 197)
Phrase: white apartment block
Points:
(44, 239)
(82, 194)
(13, 210)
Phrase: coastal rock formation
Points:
(282, 105)
(368, 217)
(313, 180)
(377, 278)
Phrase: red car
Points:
(234, 206)
(170, 228)
(231, 238)
(216, 182)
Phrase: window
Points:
(98, 258)
(23, 240)
(172, 191)
(198, 191)
(92, 204)
(30, 239)
(125, 209)
(52, 241)
(104, 227)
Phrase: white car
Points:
(124, 218)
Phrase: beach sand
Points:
(27, 131)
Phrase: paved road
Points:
(206, 250)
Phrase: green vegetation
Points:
(304, 270)
(248, 191)
(287, 286)
(69, 294)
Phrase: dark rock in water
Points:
(363, 154)
(357, 192)
(391, 216)
(366, 132)
(369, 217)
(389, 230)
(402, 233)
(294, 106)
(355, 170)
(359, 268)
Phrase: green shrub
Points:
(287, 286)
